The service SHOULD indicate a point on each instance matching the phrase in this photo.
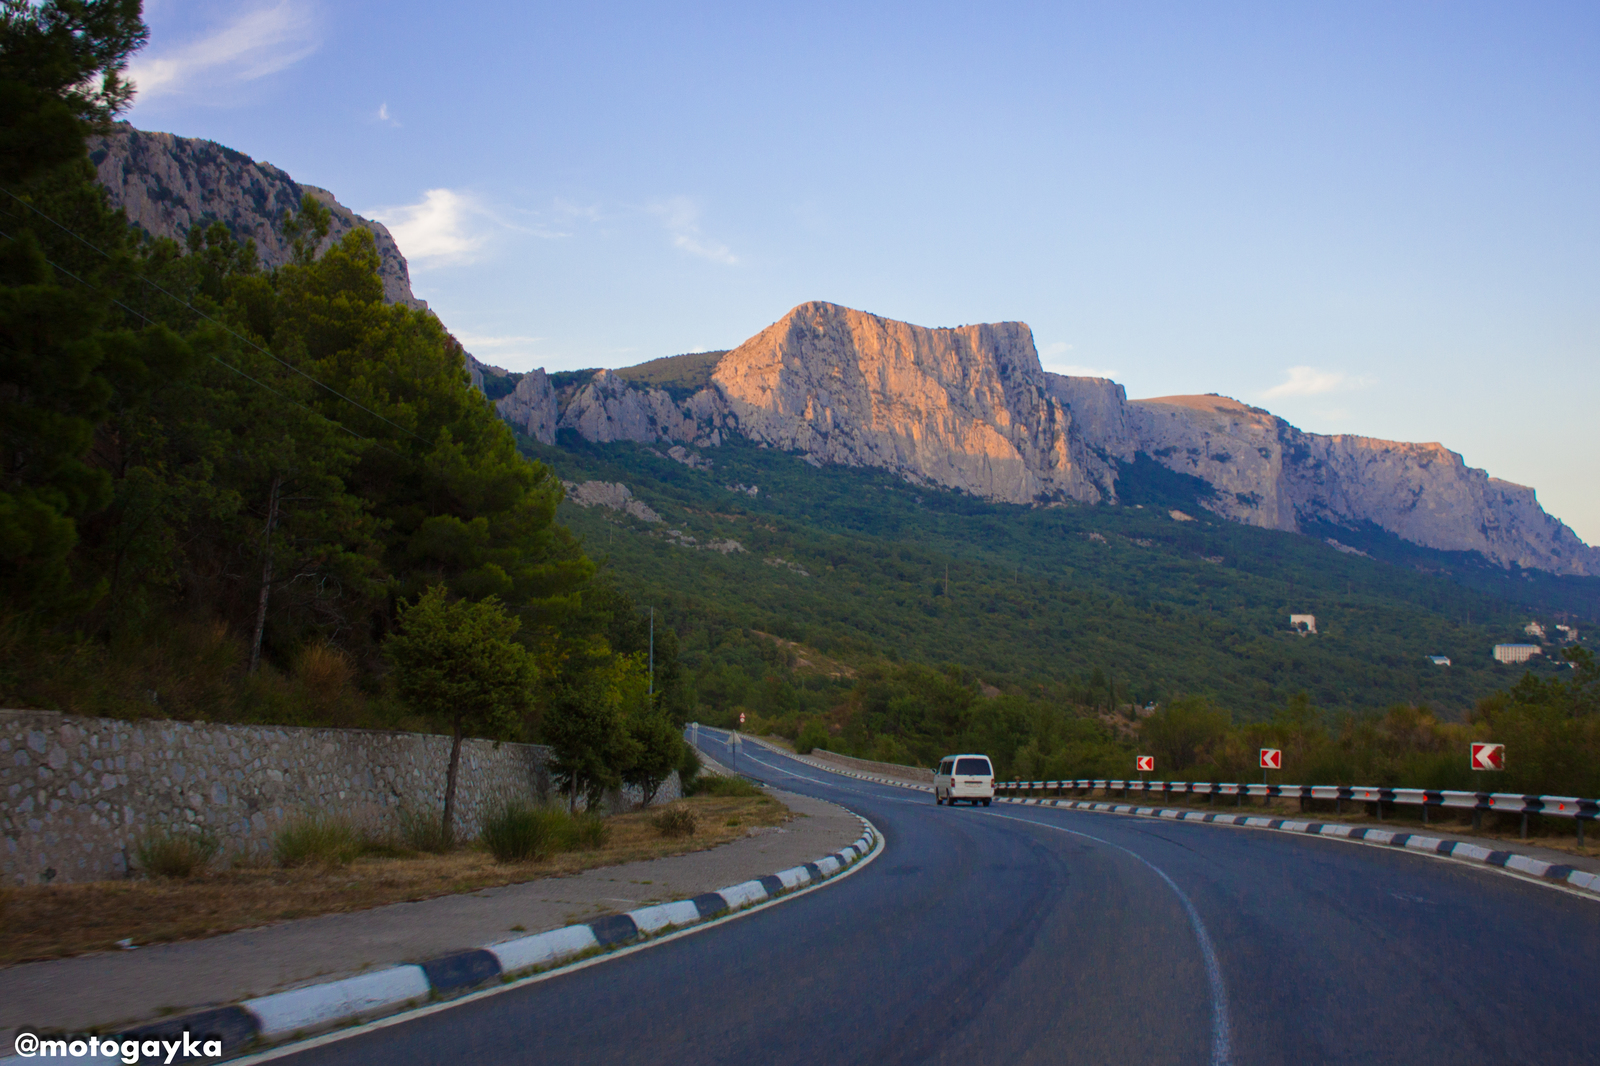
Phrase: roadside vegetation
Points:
(327, 876)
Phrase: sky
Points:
(1377, 219)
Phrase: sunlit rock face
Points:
(965, 408)
(167, 185)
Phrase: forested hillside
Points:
(239, 494)
(1070, 612)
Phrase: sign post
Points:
(1271, 759)
(1485, 756)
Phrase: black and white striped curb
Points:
(1455, 849)
(302, 1011)
(1555, 873)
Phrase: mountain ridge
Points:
(968, 408)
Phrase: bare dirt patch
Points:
(54, 921)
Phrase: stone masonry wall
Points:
(76, 793)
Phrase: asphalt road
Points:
(1028, 935)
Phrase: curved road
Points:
(1036, 935)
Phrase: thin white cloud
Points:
(1309, 381)
(1058, 348)
(257, 43)
(441, 229)
(384, 116)
(681, 219)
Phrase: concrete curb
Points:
(1538, 869)
(1554, 873)
(312, 1008)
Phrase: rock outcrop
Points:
(965, 408)
(609, 494)
(1265, 472)
(167, 184)
(531, 407)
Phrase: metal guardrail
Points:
(1580, 810)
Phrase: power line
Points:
(229, 329)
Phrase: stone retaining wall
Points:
(76, 793)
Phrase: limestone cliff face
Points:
(971, 409)
(531, 406)
(610, 409)
(167, 184)
(966, 408)
(1268, 473)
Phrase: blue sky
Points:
(1378, 219)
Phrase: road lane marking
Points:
(1221, 1041)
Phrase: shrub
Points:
(689, 766)
(589, 832)
(723, 785)
(518, 832)
(423, 831)
(813, 736)
(676, 822)
(174, 853)
(331, 841)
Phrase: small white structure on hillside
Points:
(1303, 623)
(1516, 653)
(1439, 660)
(1568, 633)
(1534, 629)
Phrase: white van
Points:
(964, 777)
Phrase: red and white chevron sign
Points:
(1144, 763)
(1272, 758)
(1488, 756)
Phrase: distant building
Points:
(1515, 653)
(1568, 633)
(1303, 623)
(1534, 629)
(1439, 660)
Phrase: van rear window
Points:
(976, 767)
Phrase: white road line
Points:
(1221, 1049)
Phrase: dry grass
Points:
(1556, 834)
(53, 921)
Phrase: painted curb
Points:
(1554, 873)
(312, 1008)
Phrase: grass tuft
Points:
(317, 840)
(725, 786)
(424, 831)
(518, 832)
(174, 853)
(676, 821)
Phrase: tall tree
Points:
(456, 662)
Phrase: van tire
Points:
(986, 803)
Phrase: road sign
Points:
(1488, 756)
(1144, 763)
(1272, 758)
(741, 718)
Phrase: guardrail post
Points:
(1524, 825)
(1579, 820)
(1424, 808)
(1477, 820)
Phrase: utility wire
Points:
(180, 300)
